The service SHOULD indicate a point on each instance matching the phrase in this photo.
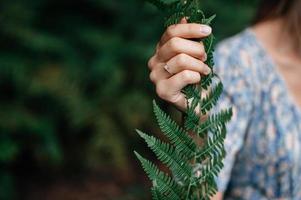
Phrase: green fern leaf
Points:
(191, 120)
(212, 168)
(164, 184)
(194, 159)
(207, 80)
(169, 156)
(156, 194)
(214, 120)
(214, 144)
(212, 98)
(191, 91)
(178, 137)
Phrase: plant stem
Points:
(188, 192)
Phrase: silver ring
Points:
(167, 68)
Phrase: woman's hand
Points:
(179, 61)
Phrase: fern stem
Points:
(191, 179)
(188, 191)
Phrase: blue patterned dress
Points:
(263, 144)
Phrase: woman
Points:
(261, 70)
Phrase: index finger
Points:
(187, 31)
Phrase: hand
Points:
(179, 61)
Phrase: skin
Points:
(179, 61)
(184, 58)
(277, 42)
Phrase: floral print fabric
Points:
(263, 142)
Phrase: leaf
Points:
(208, 20)
(215, 120)
(156, 194)
(215, 144)
(177, 136)
(212, 98)
(169, 156)
(164, 184)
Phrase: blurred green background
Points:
(74, 86)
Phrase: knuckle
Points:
(170, 31)
(181, 59)
(151, 62)
(157, 47)
(152, 77)
(190, 76)
(174, 43)
(161, 91)
(191, 28)
(186, 76)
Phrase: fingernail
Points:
(207, 70)
(206, 29)
(205, 57)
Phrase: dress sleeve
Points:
(232, 67)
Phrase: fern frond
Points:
(177, 136)
(156, 194)
(164, 184)
(208, 189)
(191, 91)
(212, 168)
(208, 20)
(212, 98)
(214, 120)
(214, 144)
(191, 120)
(208, 43)
(194, 160)
(177, 9)
(175, 18)
(207, 80)
(169, 156)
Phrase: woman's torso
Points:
(268, 164)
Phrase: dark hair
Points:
(290, 10)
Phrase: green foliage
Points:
(196, 150)
(174, 133)
(74, 83)
(68, 95)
